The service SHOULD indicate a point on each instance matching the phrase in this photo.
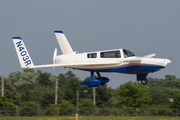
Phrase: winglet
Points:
(23, 55)
(59, 31)
(150, 55)
(63, 43)
(132, 59)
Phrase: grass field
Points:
(90, 118)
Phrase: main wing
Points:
(150, 55)
(71, 65)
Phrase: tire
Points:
(144, 81)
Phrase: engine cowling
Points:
(91, 82)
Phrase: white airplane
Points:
(116, 60)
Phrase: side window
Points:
(92, 55)
(110, 54)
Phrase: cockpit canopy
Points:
(111, 54)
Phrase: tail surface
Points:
(23, 55)
(63, 43)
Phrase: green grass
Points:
(90, 118)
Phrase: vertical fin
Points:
(23, 55)
(63, 43)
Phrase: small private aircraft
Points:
(116, 60)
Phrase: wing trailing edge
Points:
(75, 64)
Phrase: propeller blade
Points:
(170, 58)
(55, 54)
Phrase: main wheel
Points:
(100, 80)
(144, 81)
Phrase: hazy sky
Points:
(141, 26)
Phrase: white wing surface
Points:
(63, 43)
(76, 64)
(150, 55)
(132, 59)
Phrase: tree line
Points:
(32, 88)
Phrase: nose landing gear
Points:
(142, 78)
(144, 81)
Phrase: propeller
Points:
(166, 61)
(170, 58)
(55, 54)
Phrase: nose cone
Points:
(166, 62)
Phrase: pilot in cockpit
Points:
(117, 55)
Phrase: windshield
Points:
(127, 53)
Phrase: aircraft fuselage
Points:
(117, 64)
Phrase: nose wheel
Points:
(144, 81)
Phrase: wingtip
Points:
(59, 31)
(16, 38)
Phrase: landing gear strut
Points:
(100, 78)
(144, 81)
(142, 78)
(92, 82)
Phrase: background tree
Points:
(69, 74)
(61, 81)
(133, 94)
(70, 89)
(21, 80)
(176, 103)
(65, 104)
(170, 77)
(4, 102)
(10, 92)
(48, 97)
(28, 108)
(154, 81)
(43, 79)
(39, 87)
(161, 90)
(26, 95)
(103, 95)
(86, 103)
(43, 95)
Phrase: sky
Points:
(141, 26)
